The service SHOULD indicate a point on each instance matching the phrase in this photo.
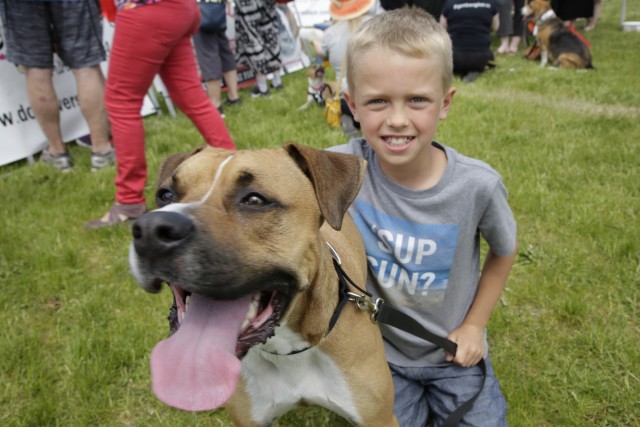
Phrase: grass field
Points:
(76, 330)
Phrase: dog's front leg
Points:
(544, 58)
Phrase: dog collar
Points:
(362, 300)
(344, 296)
(547, 15)
(544, 17)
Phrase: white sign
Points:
(20, 134)
(311, 12)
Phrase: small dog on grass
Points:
(318, 89)
(559, 45)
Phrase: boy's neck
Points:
(422, 174)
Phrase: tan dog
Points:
(558, 44)
(242, 237)
(318, 90)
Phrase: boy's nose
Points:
(397, 116)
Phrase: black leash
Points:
(381, 312)
(392, 317)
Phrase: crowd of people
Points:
(396, 69)
(479, 31)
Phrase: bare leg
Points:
(593, 21)
(515, 43)
(231, 79)
(213, 90)
(261, 82)
(90, 83)
(44, 103)
(504, 45)
(277, 78)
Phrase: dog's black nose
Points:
(159, 232)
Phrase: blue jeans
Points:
(432, 393)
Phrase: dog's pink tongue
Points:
(196, 369)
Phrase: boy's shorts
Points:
(34, 30)
(433, 393)
(214, 55)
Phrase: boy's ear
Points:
(352, 105)
(446, 103)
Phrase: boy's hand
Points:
(470, 345)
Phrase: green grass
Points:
(77, 331)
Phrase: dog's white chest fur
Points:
(277, 383)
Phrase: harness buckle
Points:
(365, 303)
(361, 300)
(376, 309)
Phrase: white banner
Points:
(20, 134)
(311, 12)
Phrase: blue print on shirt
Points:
(410, 261)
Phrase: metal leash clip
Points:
(365, 303)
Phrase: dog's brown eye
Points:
(254, 200)
(164, 197)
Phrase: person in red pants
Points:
(152, 37)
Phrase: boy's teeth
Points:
(397, 141)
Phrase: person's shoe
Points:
(257, 92)
(277, 87)
(221, 111)
(60, 161)
(99, 160)
(232, 102)
(84, 141)
(118, 214)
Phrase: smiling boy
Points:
(422, 210)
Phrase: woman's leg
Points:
(506, 27)
(518, 26)
(593, 21)
(132, 67)
(179, 73)
(131, 70)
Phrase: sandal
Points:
(118, 214)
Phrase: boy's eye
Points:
(377, 101)
(419, 99)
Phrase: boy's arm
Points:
(468, 336)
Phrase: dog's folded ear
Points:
(171, 163)
(336, 177)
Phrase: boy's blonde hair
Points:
(410, 31)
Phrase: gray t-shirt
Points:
(423, 247)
